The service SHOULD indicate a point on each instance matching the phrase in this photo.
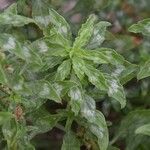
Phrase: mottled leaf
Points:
(76, 101)
(103, 56)
(45, 89)
(96, 122)
(98, 36)
(116, 90)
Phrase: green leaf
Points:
(98, 36)
(45, 89)
(62, 87)
(4, 117)
(63, 70)
(96, 77)
(144, 70)
(60, 24)
(102, 56)
(43, 121)
(85, 33)
(145, 130)
(51, 46)
(40, 12)
(75, 94)
(96, 122)
(129, 124)
(142, 26)
(3, 78)
(78, 65)
(10, 17)
(11, 44)
(116, 90)
(70, 142)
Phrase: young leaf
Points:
(85, 33)
(11, 18)
(70, 142)
(98, 36)
(141, 27)
(145, 130)
(75, 94)
(144, 70)
(63, 70)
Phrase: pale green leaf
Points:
(85, 33)
(145, 130)
(63, 70)
(78, 65)
(60, 24)
(70, 142)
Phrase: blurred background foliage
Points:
(134, 47)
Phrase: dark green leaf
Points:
(144, 70)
